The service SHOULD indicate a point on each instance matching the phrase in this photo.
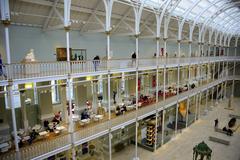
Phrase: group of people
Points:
(227, 128)
(121, 110)
(32, 136)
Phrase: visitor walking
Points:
(114, 97)
(154, 55)
(134, 56)
(216, 123)
(96, 61)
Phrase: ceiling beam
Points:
(124, 34)
(84, 25)
(89, 11)
(50, 14)
(122, 18)
(96, 31)
(58, 14)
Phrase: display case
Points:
(150, 133)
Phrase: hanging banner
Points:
(153, 81)
(123, 83)
(162, 51)
(139, 84)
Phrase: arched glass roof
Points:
(222, 15)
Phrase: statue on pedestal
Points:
(30, 57)
(203, 151)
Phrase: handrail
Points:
(113, 59)
(16, 71)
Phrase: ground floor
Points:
(176, 145)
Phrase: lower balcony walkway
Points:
(61, 143)
(181, 146)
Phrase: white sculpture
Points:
(30, 57)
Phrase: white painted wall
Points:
(22, 39)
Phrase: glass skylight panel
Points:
(179, 10)
(154, 3)
(192, 15)
(210, 7)
(185, 4)
(204, 3)
(197, 10)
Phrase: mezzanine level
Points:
(59, 144)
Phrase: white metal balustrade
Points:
(89, 131)
(34, 70)
(17, 71)
(39, 148)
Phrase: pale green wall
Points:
(44, 44)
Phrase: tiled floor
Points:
(180, 148)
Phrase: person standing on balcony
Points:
(216, 123)
(1, 65)
(134, 56)
(96, 61)
(155, 55)
(114, 97)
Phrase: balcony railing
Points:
(39, 148)
(17, 71)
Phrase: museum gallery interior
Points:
(117, 79)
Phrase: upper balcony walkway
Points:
(44, 71)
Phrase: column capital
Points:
(63, 85)
(199, 43)
(67, 28)
(157, 38)
(179, 41)
(107, 32)
(164, 111)
(189, 42)
(209, 44)
(6, 22)
(165, 39)
(137, 35)
(10, 82)
(69, 76)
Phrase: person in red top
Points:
(57, 118)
